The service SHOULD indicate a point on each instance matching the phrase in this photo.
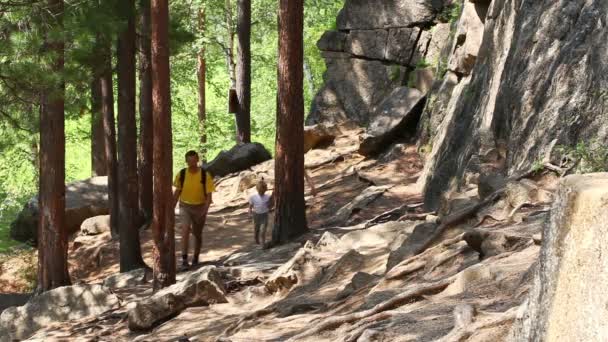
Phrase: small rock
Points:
(319, 135)
(538, 239)
(202, 287)
(238, 158)
(359, 281)
(490, 183)
(128, 279)
(95, 225)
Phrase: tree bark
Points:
(129, 222)
(230, 49)
(98, 156)
(243, 77)
(146, 138)
(202, 77)
(163, 223)
(52, 233)
(290, 218)
(109, 128)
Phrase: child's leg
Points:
(264, 226)
(256, 227)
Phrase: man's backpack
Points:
(182, 178)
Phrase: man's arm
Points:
(176, 195)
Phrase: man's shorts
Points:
(192, 215)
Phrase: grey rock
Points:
(400, 111)
(127, 279)
(423, 79)
(332, 41)
(95, 225)
(364, 15)
(238, 158)
(353, 88)
(568, 276)
(490, 183)
(367, 43)
(57, 305)
(83, 199)
(359, 281)
(13, 299)
(202, 287)
(366, 197)
(401, 44)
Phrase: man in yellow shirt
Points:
(194, 189)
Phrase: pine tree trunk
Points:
(290, 218)
(52, 233)
(230, 50)
(243, 77)
(162, 225)
(202, 78)
(98, 156)
(129, 222)
(146, 137)
(109, 129)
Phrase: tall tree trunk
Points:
(162, 225)
(146, 137)
(230, 49)
(52, 232)
(109, 129)
(202, 77)
(98, 157)
(290, 218)
(129, 222)
(243, 78)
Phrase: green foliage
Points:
(450, 13)
(442, 67)
(22, 75)
(588, 156)
(422, 64)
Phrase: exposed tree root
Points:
(462, 334)
(334, 322)
(358, 329)
(418, 261)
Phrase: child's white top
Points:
(260, 203)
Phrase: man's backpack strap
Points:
(182, 178)
(204, 180)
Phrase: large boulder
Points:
(332, 41)
(568, 297)
(401, 110)
(367, 43)
(238, 158)
(319, 135)
(58, 305)
(84, 199)
(202, 287)
(364, 14)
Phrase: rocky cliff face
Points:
(510, 80)
(379, 46)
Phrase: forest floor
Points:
(355, 276)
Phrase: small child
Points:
(259, 206)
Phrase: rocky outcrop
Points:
(573, 251)
(83, 199)
(400, 111)
(527, 93)
(202, 287)
(239, 158)
(378, 47)
(58, 305)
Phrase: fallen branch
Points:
(334, 322)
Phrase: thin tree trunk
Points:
(109, 128)
(146, 137)
(162, 225)
(52, 233)
(98, 157)
(230, 51)
(202, 76)
(290, 218)
(129, 222)
(243, 80)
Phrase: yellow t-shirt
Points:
(193, 193)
